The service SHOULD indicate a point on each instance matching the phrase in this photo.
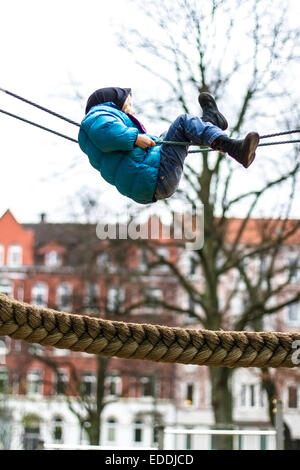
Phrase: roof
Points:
(78, 239)
(259, 230)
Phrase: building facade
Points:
(42, 390)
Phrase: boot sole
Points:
(251, 142)
(206, 99)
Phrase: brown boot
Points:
(211, 112)
(243, 151)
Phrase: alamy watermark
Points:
(296, 354)
(2, 352)
(186, 223)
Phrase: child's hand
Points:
(144, 141)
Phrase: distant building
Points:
(66, 267)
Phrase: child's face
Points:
(128, 106)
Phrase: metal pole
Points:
(279, 425)
(221, 432)
(161, 435)
(155, 421)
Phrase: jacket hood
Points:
(111, 94)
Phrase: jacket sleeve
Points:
(109, 134)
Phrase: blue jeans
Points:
(189, 129)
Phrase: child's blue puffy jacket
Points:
(107, 136)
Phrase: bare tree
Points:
(235, 50)
(94, 261)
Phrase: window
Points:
(163, 252)
(61, 382)
(152, 296)
(257, 265)
(144, 261)
(138, 427)
(88, 384)
(39, 294)
(31, 437)
(189, 394)
(34, 382)
(15, 255)
(64, 296)
(188, 441)
(20, 293)
(6, 287)
(263, 442)
(111, 429)
(292, 397)
(243, 395)
(191, 306)
(115, 297)
(189, 318)
(192, 265)
(261, 396)
(146, 386)
(1, 255)
(103, 261)
(15, 383)
(17, 345)
(252, 395)
(60, 352)
(4, 384)
(293, 314)
(57, 433)
(3, 350)
(113, 385)
(36, 350)
(153, 293)
(91, 295)
(53, 259)
(265, 265)
(294, 268)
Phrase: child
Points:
(118, 146)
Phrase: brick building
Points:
(66, 267)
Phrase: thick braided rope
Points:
(143, 341)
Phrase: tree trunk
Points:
(94, 430)
(221, 398)
(269, 385)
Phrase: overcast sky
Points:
(50, 48)
(47, 46)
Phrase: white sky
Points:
(45, 46)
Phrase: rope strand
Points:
(60, 116)
(279, 143)
(38, 125)
(145, 341)
(39, 107)
(279, 133)
(159, 142)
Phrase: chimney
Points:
(42, 217)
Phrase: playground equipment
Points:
(144, 341)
